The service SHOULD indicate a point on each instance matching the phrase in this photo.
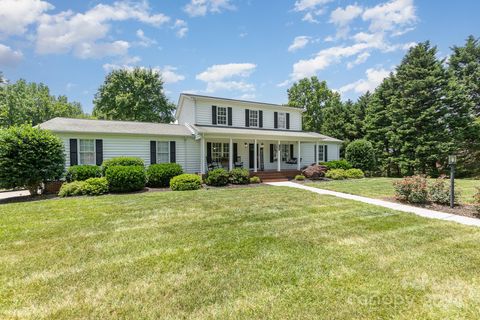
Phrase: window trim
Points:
(218, 116)
(79, 160)
(158, 153)
(257, 113)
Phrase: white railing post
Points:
(230, 155)
(202, 155)
(299, 165)
(255, 156)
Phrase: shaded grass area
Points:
(383, 187)
(263, 252)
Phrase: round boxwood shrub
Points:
(361, 155)
(83, 172)
(299, 177)
(336, 174)
(255, 179)
(354, 174)
(75, 188)
(95, 186)
(217, 177)
(239, 176)
(121, 161)
(337, 164)
(28, 157)
(125, 178)
(159, 175)
(185, 182)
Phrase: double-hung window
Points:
(282, 120)
(222, 115)
(87, 151)
(321, 156)
(163, 152)
(253, 118)
(285, 152)
(220, 151)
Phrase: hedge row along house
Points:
(209, 132)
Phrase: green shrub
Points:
(476, 201)
(354, 174)
(95, 186)
(299, 177)
(239, 176)
(255, 179)
(125, 178)
(361, 155)
(337, 164)
(336, 174)
(412, 189)
(83, 172)
(121, 161)
(29, 156)
(185, 182)
(217, 177)
(75, 188)
(159, 175)
(439, 191)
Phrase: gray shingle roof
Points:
(118, 127)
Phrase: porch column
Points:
(299, 165)
(255, 155)
(202, 155)
(279, 163)
(230, 155)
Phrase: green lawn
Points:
(266, 252)
(383, 187)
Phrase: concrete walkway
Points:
(13, 194)
(432, 214)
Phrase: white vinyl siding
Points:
(86, 151)
(163, 151)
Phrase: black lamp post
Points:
(452, 160)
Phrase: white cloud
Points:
(361, 58)
(144, 41)
(9, 57)
(390, 15)
(374, 78)
(225, 77)
(342, 17)
(299, 43)
(247, 96)
(168, 73)
(181, 27)
(196, 8)
(16, 16)
(305, 5)
(85, 34)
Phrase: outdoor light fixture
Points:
(261, 144)
(246, 145)
(452, 160)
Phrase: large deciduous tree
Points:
(135, 95)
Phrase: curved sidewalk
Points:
(432, 214)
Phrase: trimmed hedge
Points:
(125, 178)
(185, 182)
(239, 176)
(95, 186)
(336, 174)
(354, 174)
(121, 161)
(83, 172)
(159, 175)
(217, 177)
(337, 164)
(74, 188)
(361, 155)
(255, 179)
(299, 177)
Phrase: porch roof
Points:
(262, 133)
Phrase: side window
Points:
(163, 152)
(87, 151)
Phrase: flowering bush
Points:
(476, 202)
(412, 189)
(439, 191)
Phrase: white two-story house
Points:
(209, 132)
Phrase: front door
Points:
(251, 157)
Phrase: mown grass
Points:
(266, 252)
(383, 187)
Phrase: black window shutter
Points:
(287, 116)
(235, 152)
(260, 118)
(73, 152)
(214, 114)
(173, 152)
(275, 120)
(271, 152)
(209, 152)
(315, 154)
(291, 152)
(229, 116)
(247, 118)
(153, 152)
(325, 153)
(98, 152)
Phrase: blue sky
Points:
(244, 49)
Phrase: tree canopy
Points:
(135, 95)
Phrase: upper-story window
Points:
(222, 115)
(282, 120)
(253, 120)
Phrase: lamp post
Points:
(452, 160)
